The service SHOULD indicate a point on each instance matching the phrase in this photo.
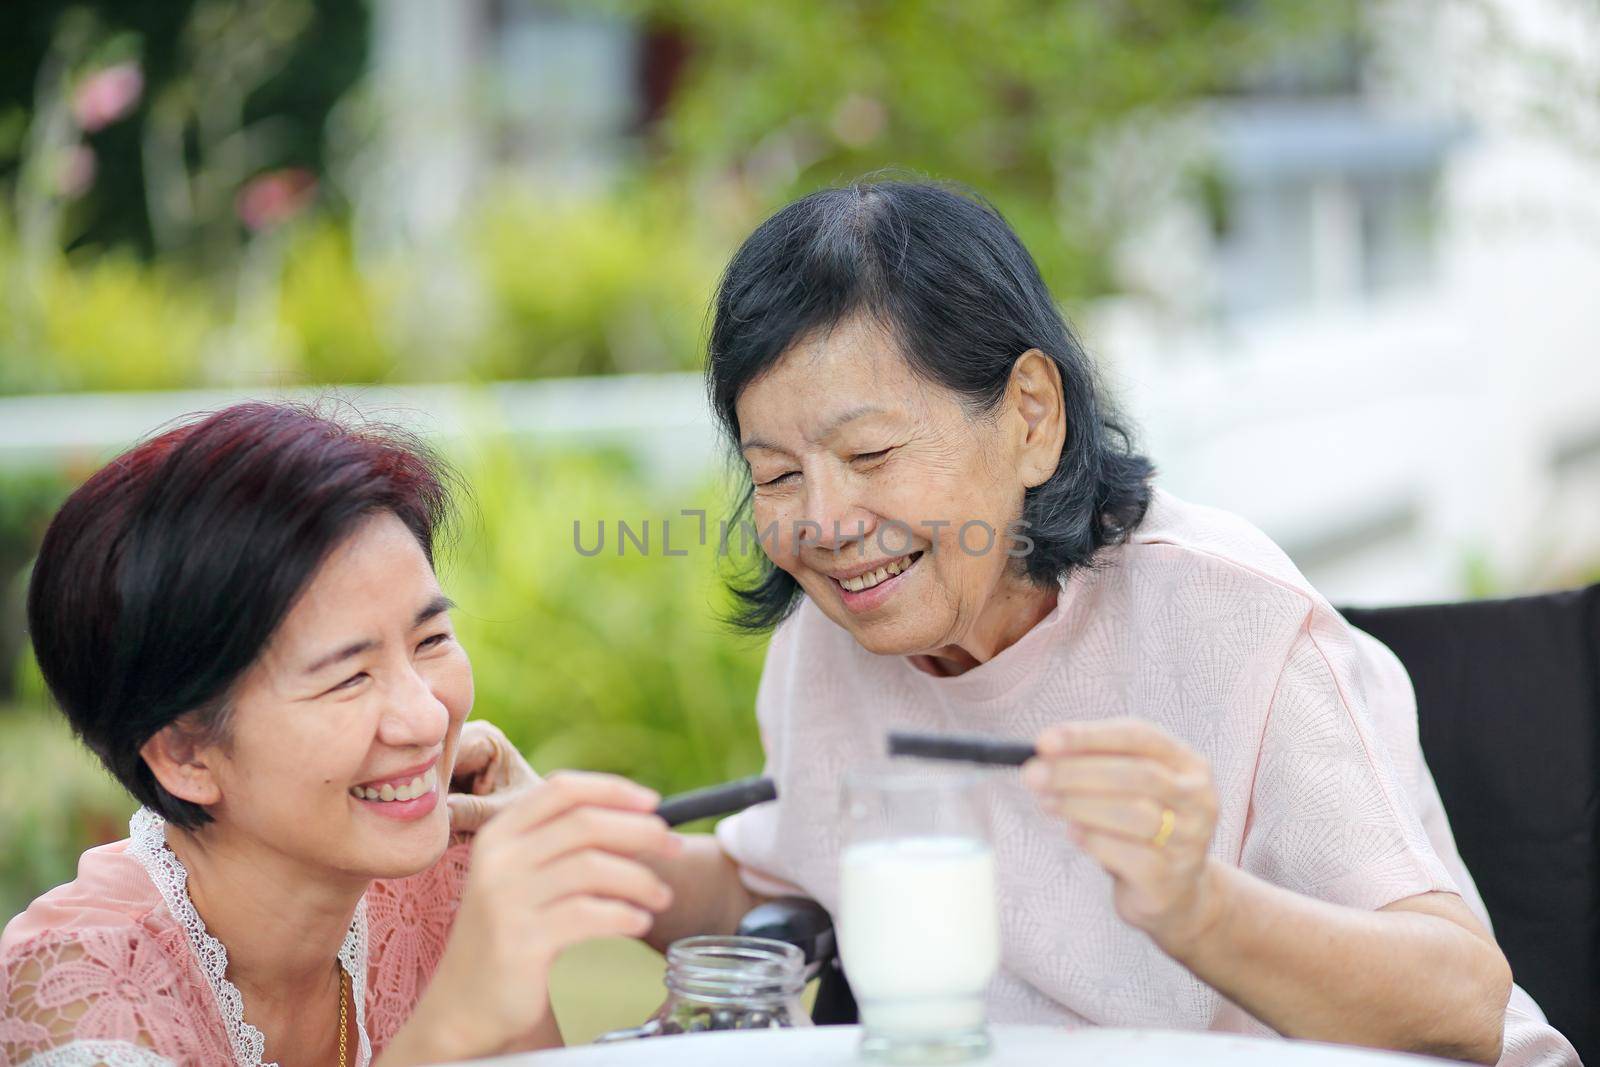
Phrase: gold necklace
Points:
(343, 1013)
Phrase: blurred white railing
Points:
(661, 418)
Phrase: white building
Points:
(1387, 350)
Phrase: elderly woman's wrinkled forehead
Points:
(850, 365)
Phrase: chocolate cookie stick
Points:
(722, 799)
(959, 747)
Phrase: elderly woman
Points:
(240, 617)
(958, 536)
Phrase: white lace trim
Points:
(97, 1054)
(148, 845)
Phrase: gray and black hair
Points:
(943, 272)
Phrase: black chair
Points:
(807, 925)
(1508, 700)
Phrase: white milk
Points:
(919, 931)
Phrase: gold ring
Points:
(1169, 819)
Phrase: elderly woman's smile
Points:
(858, 581)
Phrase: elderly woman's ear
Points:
(176, 756)
(1034, 401)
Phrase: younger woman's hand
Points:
(488, 775)
(561, 864)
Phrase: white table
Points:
(1035, 1046)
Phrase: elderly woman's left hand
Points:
(489, 775)
(1143, 805)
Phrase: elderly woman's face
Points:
(843, 439)
(362, 689)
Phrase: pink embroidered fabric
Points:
(1204, 627)
(116, 967)
(408, 924)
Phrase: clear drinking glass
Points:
(919, 926)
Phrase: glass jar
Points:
(727, 983)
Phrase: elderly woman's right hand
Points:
(558, 867)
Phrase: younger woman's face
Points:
(362, 690)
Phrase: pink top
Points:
(116, 966)
(1204, 627)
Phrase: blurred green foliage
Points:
(593, 286)
(1015, 98)
(113, 322)
(55, 801)
(612, 285)
(614, 663)
(331, 314)
(28, 496)
(239, 152)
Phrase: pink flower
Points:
(107, 95)
(275, 197)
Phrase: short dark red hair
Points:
(163, 577)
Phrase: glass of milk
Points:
(919, 930)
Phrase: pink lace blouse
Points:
(116, 966)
